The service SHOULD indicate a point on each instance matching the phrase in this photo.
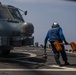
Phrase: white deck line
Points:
(19, 70)
(54, 66)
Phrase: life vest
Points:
(54, 34)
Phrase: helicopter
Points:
(14, 31)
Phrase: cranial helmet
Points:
(55, 24)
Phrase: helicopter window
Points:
(16, 14)
(4, 13)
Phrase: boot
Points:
(57, 61)
(66, 63)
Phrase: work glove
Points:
(66, 42)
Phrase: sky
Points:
(42, 13)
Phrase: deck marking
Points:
(51, 66)
(14, 70)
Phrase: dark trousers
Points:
(57, 53)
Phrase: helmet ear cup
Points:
(52, 26)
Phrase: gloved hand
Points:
(44, 47)
(66, 42)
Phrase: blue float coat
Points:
(55, 34)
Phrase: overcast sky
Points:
(42, 13)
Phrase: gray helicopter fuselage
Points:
(13, 29)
